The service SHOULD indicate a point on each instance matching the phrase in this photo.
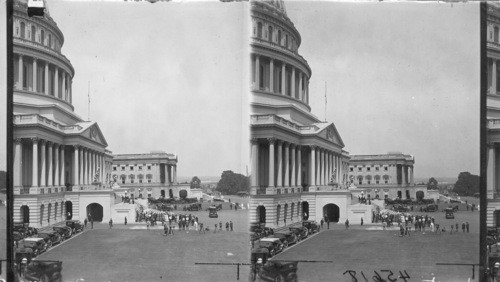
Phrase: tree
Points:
(467, 184)
(231, 183)
(432, 184)
(183, 194)
(195, 182)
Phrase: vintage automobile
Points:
(279, 271)
(23, 228)
(55, 238)
(449, 213)
(37, 245)
(212, 212)
(301, 232)
(194, 207)
(46, 238)
(430, 208)
(311, 226)
(286, 237)
(256, 236)
(64, 231)
(18, 236)
(273, 245)
(261, 228)
(75, 225)
(40, 270)
(23, 253)
(400, 208)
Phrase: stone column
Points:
(300, 86)
(286, 167)
(70, 90)
(43, 181)
(76, 165)
(272, 141)
(255, 160)
(87, 166)
(18, 163)
(56, 165)
(50, 175)
(175, 174)
(34, 173)
(257, 72)
(321, 167)
(279, 181)
(293, 166)
(318, 166)
(328, 166)
(64, 95)
(292, 83)
(312, 166)
(35, 70)
(339, 171)
(283, 79)
(82, 166)
(325, 168)
(306, 90)
(490, 173)
(411, 176)
(46, 77)
(62, 164)
(271, 76)
(56, 82)
(299, 166)
(494, 77)
(20, 72)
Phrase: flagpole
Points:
(325, 101)
(88, 95)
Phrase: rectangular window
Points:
(360, 182)
(369, 181)
(359, 168)
(386, 182)
(377, 168)
(149, 167)
(123, 181)
(131, 168)
(368, 169)
(351, 169)
(377, 182)
(140, 180)
(114, 168)
(149, 180)
(123, 168)
(385, 168)
(140, 167)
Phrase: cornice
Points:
(296, 59)
(58, 58)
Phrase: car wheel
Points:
(272, 253)
(36, 253)
(279, 278)
(285, 245)
(44, 278)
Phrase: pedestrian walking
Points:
(85, 223)
(125, 220)
(328, 223)
(147, 224)
(321, 222)
(361, 221)
(467, 226)
(165, 229)
(220, 225)
(215, 229)
(171, 230)
(456, 226)
(231, 225)
(91, 223)
(347, 224)
(110, 223)
(463, 227)
(227, 226)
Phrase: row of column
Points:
(66, 79)
(490, 172)
(87, 164)
(323, 164)
(302, 95)
(492, 79)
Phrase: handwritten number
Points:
(366, 280)
(389, 276)
(405, 276)
(377, 277)
(353, 275)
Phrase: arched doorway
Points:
(25, 214)
(420, 195)
(305, 210)
(332, 212)
(162, 193)
(96, 211)
(278, 213)
(69, 210)
(400, 195)
(261, 214)
(170, 193)
(42, 208)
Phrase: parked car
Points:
(17, 236)
(44, 271)
(37, 245)
(301, 232)
(449, 213)
(64, 231)
(430, 208)
(212, 212)
(279, 271)
(75, 225)
(273, 245)
(194, 207)
(25, 228)
(23, 253)
(311, 226)
(46, 238)
(286, 237)
(261, 228)
(55, 238)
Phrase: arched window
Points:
(360, 179)
(279, 37)
(42, 37)
(33, 33)
(259, 30)
(23, 29)
(261, 76)
(495, 34)
(270, 33)
(49, 42)
(286, 40)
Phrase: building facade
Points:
(294, 155)
(493, 114)
(144, 175)
(60, 160)
(385, 176)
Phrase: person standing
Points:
(110, 223)
(231, 225)
(85, 223)
(321, 222)
(463, 227)
(347, 224)
(227, 226)
(165, 229)
(328, 223)
(456, 226)
(91, 223)
(467, 226)
(125, 220)
(361, 221)
(215, 229)
(220, 225)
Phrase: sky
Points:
(163, 76)
(399, 77)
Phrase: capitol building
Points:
(299, 168)
(61, 165)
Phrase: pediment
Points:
(331, 134)
(93, 132)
